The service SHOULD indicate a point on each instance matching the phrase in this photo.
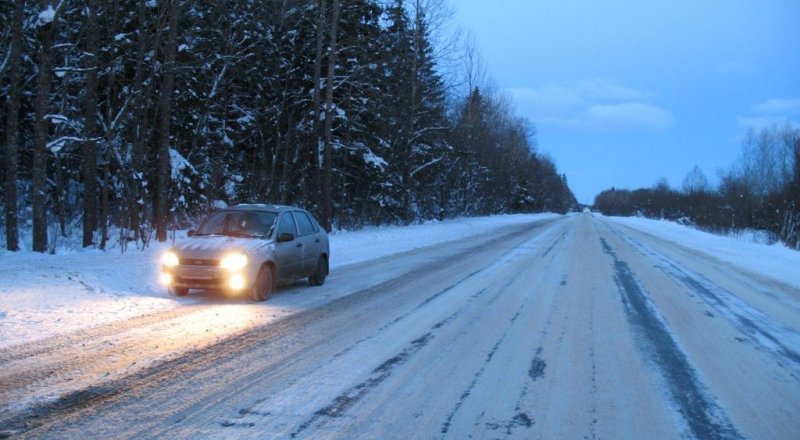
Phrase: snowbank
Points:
(775, 261)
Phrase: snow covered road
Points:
(568, 327)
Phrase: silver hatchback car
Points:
(249, 249)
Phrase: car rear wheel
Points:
(177, 291)
(264, 285)
(320, 273)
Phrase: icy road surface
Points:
(569, 327)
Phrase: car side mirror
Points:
(191, 233)
(285, 237)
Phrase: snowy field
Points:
(42, 295)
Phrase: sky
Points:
(625, 92)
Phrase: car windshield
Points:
(257, 224)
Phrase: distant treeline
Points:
(145, 114)
(762, 191)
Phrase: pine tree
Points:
(12, 127)
(164, 120)
(89, 152)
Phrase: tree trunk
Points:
(317, 106)
(90, 128)
(165, 108)
(12, 128)
(136, 197)
(104, 205)
(288, 162)
(412, 112)
(327, 170)
(46, 29)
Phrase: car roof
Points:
(261, 207)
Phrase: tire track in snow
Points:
(404, 316)
(555, 243)
(704, 417)
(781, 341)
(535, 372)
(479, 373)
(339, 406)
(344, 401)
(512, 255)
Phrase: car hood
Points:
(214, 247)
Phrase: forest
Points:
(761, 191)
(141, 116)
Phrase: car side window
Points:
(287, 225)
(304, 223)
(314, 222)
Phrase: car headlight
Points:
(170, 259)
(234, 262)
(237, 281)
(166, 278)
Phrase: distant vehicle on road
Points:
(249, 249)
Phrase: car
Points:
(248, 250)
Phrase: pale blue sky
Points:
(624, 92)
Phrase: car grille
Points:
(198, 262)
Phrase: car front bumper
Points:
(194, 277)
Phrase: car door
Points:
(311, 241)
(288, 254)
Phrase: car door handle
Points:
(299, 244)
(317, 240)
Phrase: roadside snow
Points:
(366, 244)
(773, 261)
(43, 295)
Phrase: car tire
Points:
(264, 285)
(318, 277)
(177, 291)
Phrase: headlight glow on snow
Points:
(170, 259)
(234, 262)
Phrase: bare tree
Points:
(474, 66)
(695, 181)
(12, 128)
(767, 158)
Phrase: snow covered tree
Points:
(143, 115)
(46, 24)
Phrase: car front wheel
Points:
(264, 285)
(318, 277)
